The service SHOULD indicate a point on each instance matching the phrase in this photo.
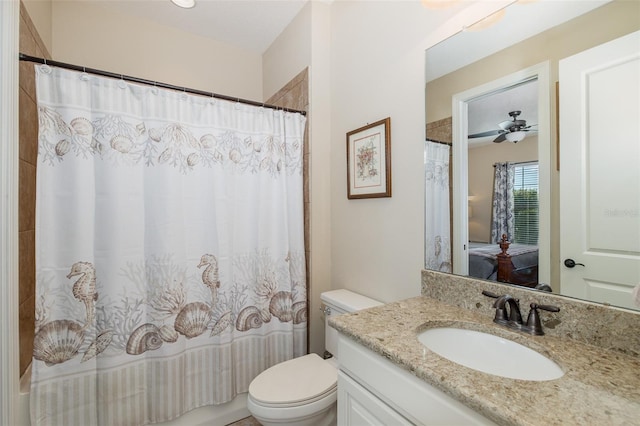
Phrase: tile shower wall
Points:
(30, 44)
(295, 95)
(440, 130)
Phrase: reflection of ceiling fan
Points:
(512, 130)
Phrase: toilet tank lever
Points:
(325, 309)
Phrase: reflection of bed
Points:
(516, 264)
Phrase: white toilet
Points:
(303, 391)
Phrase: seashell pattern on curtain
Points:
(170, 253)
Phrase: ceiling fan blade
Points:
(500, 138)
(485, 134)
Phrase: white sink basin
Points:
(490, 354)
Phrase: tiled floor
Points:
(248, 421)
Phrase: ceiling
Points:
(485, 113)
(248, 24)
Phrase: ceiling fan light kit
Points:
(515, 136)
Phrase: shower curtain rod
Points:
(28, 58)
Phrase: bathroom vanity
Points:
(373, 390)
(388, 377)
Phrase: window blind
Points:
(526, 206)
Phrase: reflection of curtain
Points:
(170, 253)
(437, 222)
(502, 216)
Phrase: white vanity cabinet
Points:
(374, 391)
(358, 406)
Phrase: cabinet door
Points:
(358, 407)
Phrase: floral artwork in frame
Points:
(369, 161)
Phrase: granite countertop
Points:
(599, 386)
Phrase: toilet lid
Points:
(295, 381)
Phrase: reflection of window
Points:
(525, 203)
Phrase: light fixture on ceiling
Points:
(515, 136)
(186, 4)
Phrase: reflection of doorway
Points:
(463, 103)
(487, 116)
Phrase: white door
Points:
(600, 172)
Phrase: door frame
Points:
(9, 361)
(460, 117)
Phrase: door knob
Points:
(570, 263)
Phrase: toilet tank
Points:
(336, 302)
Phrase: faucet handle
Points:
(549, 308)
(534, 326)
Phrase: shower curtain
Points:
(502, 220)
(170, 252)
(437, 220)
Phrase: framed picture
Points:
(369, 161)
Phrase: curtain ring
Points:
(121, 83)
(45, 68)
(84, 76)
(154, 89)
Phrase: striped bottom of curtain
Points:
(158, 390)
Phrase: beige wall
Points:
(319, 163)
(377, 71)
(289, 54)
(481, 161)
(85, 33)
(40, 12)
(606, 23)
(306, 43)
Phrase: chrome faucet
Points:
(513, 318)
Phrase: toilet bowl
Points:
(303, 391)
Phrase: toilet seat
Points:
(293, 383)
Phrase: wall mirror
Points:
(494, 109)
